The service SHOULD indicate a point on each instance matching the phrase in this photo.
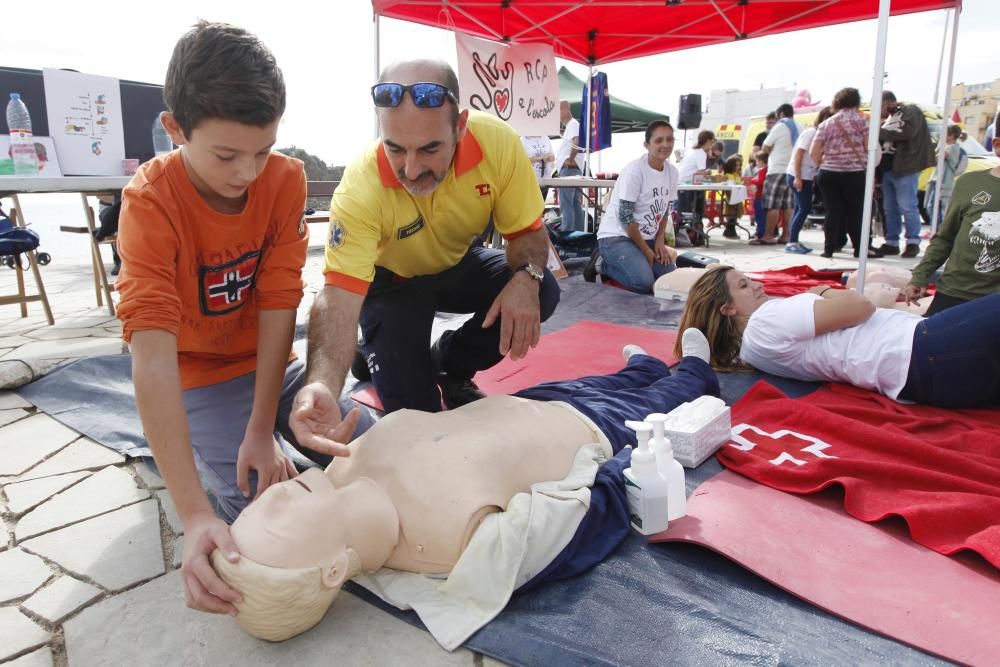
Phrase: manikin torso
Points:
(444, 472)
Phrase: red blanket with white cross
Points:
(937, 469)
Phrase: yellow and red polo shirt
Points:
(375, 221)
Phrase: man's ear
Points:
(462, 124)
(173, 128)
(346, 565)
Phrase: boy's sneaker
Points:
(912, 250)
(797, 248)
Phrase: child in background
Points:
(732, 212)
(757, 183)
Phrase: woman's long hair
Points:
(704, 311)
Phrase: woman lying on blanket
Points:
(950, 360)
(413, 491)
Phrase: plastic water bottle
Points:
(22, 144)
(161, 140)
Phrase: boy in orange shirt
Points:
(213, 241)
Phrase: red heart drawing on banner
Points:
(501, 99)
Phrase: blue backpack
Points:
(15, 241)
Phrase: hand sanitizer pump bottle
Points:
(669, 467)
(646, 488)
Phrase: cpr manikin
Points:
(409, 497)
(883, 285)
(418, 487)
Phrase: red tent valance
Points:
(604, 31)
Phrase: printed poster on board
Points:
(48, 162)
(517, 83)
(85, 122)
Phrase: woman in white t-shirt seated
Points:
(632, 237)
(950, 359)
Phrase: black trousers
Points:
(398, 313)
(844, 198)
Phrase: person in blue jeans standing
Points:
(632, 236)
(569, 162)
(906, 151)
(800, 175)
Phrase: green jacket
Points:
(969, 239)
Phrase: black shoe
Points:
(827, 255)
(873, 253)
(590, 271)
(912, 250)
(359, 367)
(888, 250)
(116, 268)
(456, 392)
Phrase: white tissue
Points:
(698, 428)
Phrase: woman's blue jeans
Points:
(803, 204)
(956, 357)
(626, 265)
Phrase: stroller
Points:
(15, 241)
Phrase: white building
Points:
(737, 106)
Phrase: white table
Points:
(14, 185)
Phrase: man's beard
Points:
(423, 189)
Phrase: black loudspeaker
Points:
(689, 117)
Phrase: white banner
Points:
(518, 83)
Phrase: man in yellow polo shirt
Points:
(403, 243)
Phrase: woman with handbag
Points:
(840, 150)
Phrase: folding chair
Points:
(22, 297)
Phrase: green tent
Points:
(625, 117)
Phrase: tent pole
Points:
(945, 121)
(944, 42)
(590, 119)
(874, 149)
(378, 67)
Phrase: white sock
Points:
(694, 344)
(631, 349)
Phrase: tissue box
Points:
(694, 440)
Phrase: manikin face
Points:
(223, 157)
(745, 295)
(420, 143)
(294, 524)
(660, 144)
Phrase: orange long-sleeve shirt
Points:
(204, 275)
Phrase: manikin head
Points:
(420, 142)
(719, 304)
(299, 542)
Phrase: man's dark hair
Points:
(220, 71)
(888, 96)
(704, 137)
(654, 126)
(786, 110)
(846, 98)
(771, 116)
(445, 76)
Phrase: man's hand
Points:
(520, 317)
(663, 253)
(913, 292)
(203, 589)
(797, 184)
(261, 452)
(317, 423)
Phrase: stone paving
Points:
(89, 567)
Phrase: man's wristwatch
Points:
(532, 270)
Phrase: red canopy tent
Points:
(595, 32)
(605, 31)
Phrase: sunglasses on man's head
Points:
(424, 94)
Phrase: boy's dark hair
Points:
(771, 116)
(786, 110)
(847, 98)
(654, 126)
(888, 96)
(760, 155)
(954, 131)
(220, 71)
(705, 136)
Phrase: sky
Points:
(327, 55)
